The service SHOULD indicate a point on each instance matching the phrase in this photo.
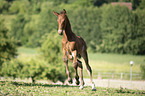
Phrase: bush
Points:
(35, 68)
(12, 69)
(51, 48)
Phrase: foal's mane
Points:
(68, 29)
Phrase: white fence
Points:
(112, 75)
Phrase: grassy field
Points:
(100, 62)
(115, 62)
(29, 51)
(8, 88)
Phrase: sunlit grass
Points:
(28, 89)
(117, 58)
(115, 62)
(29, 51)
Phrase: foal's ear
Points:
(64, 11)
(55, 13)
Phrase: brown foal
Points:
(73, 47)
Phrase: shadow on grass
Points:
(31, 84)
(125, 90)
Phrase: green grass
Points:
(115, 62)
(117, 58)
(28, 89)
(100, 62)
(26, 54)
(23, 50)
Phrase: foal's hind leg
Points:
(89, 70)
(81, 73)
(75, 65)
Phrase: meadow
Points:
(99, 62)
(8, 88)
(102, 63)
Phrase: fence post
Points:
(112, 75)
(108, 83)
(121, 75)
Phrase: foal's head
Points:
(61, 21)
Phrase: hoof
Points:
(70, 80)
(93, 87)
(77, 82)
(81, 87)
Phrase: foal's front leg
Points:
(65, 60)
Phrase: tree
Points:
(117, 27)
(7, 44)
(138, 39)
(17, 28)
(85, 22)
(20, 6)
(4, 6)
(142, 4)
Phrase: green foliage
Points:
(39, 69)
(12, 69)
(17, 27)
(7, 44)
(20, 6)
(41, 26)
(119, 33)
(86, 21)
(4, 6)
(139, 33)
(52, 53)
(110, 28)
(51, 47)
(141, 6)
(48, 66)
(35, 68)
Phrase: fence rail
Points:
(112, 75)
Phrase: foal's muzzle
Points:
(60, 32)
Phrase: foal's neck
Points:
(68, 31)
